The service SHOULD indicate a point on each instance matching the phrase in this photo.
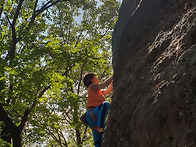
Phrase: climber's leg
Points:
(97, 138)
(91, 122)
(102, 114)
(96, 120)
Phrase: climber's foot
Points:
(100, 130)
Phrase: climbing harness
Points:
(93, 117)
(91, 114)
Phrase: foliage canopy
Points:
(45, 48)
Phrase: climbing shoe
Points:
(100, 130)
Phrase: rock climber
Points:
(97, 107)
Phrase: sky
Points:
(79, 18)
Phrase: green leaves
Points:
(52, 52)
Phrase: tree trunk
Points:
(78, 136)
(17, 139)
(11, 128)
(5, 135)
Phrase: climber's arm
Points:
(108, 90)
(96, 87)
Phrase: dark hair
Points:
(87, 79)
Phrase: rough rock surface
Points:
(154, 59)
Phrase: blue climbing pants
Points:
(98, 120)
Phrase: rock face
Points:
(154, 59)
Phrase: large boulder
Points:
(154, 60)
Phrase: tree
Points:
(19, 89)
(82, 54)
(44, 54)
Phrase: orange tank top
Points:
(95, 98)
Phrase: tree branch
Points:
(24, 119)
(17, 12)
(14, 40)
(65, 141)
(83, 136)
(27, 111)
(68, 119)
(33, 15)
(9, 22)
(43, 8)
(7, 120)
(59, 137)
(80, 80)
(52, 134)
(1, 6)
